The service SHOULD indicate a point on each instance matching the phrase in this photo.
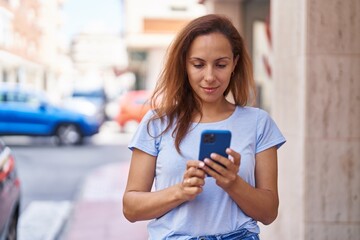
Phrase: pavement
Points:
(96, 214)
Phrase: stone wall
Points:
(317, 106)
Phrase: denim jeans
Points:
(241, 234)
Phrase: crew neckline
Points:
(217, 122)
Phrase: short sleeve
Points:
(147, 136)
(267, 133)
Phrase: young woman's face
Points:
(209, 65)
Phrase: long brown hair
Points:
(173, 97)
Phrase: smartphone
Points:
(214, 141)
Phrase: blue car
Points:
(29, 113)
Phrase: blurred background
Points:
(78, 73)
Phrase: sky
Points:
(81, 14)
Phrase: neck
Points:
(213, 112)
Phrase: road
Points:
(51, 176)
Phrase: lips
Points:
(209, 89)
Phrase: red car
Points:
(9, 194)
(133, 106)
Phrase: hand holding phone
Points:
(214, 141)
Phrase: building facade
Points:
(30, 47)
(99, 58)
(149, 30)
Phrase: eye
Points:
(199, 65)
(221, 65)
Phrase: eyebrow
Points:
(218, 59)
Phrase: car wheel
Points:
(68, 134)
(12, 233)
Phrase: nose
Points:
(209, 74)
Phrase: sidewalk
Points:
(97, 215)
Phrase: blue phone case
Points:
(214, 141)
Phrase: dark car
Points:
(9, 194)
(29, 113)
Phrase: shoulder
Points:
(154, 121)
(252, 116)
(252, 111)
(149, 114)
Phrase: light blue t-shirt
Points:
(212, 211)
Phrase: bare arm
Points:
(139, 203)
(261, 203)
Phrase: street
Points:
(52, 177)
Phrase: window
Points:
(5, 28)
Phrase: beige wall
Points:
(317, 106)
(230, 8)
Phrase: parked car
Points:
(27, 112)
(9, 194)
(88, 101)
(133, 106)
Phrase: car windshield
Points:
(22, 96)
(89, 94)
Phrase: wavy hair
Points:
(173, 97)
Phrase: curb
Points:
(43, 220)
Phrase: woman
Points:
(206, 83)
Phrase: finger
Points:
(214, 166)
(194, 163)
(186, 182)
(194, 172)
(221, 160)
(198, 182)
(194, 182)
(235, 156)
(190, 191)
(212, 172)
